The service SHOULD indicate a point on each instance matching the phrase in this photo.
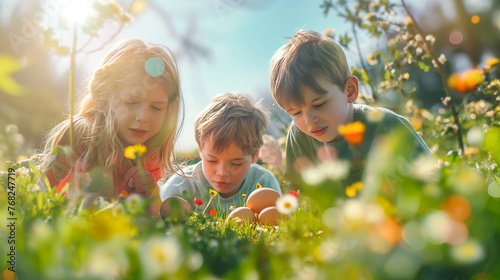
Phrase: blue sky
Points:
(241, 36)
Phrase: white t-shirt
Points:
(198, 187)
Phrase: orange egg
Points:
(242, 214)
(262, 198)
(175, 208)
(270, 216)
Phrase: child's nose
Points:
(310, 117)
(142, 114)
(222, 170)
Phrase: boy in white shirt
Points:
(229, 136)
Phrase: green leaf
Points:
(491, 143)
(344, 40)
(424, 66)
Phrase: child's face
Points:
(225, 171)
(140, 113)
(322, 114)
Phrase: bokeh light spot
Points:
(138, 6)
(458, 207)
(475, 19)
(413, 235)
(154, 66)
(456, 37)
(494, 189)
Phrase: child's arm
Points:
(58, 171)
(177, 186)
(300, 155)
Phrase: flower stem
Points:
(208, 204)
(443, 78)
(361, 59)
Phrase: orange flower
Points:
(124, 193)
(456, 82)
(466, 81)
(353, 132)
(213, 212)
(473, 78)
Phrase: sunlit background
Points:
(221, 46)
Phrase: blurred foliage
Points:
(433, 218)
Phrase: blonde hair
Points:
(306, 56)
(95, 125)
(231, 117)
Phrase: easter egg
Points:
(242, 214)
(262, 198)
(270, 216)
(175, 208)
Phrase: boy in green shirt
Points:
(312, 82)
(229, 136)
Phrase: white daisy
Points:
(468, 252)
(287, 204)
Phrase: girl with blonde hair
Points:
(133, 99)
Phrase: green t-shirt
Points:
(298, 144)
(198, 186)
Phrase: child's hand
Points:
(140, 180)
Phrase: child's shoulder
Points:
(260, 175)
(259, 170)
(376, 115)
(189, 172)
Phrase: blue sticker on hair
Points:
(154, 67)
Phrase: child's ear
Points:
(256, 156)
(200, 153)
(352, 88)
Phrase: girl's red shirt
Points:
(152, 166)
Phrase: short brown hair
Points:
(232, 117)
(306, 56)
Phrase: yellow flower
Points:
(351, 190)
(213, 193)
(244, 195)
(353, 132)
(259, 186)
(358, 186)
(135, 151)
(492, 61)
(105, 225)
(371, 59)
